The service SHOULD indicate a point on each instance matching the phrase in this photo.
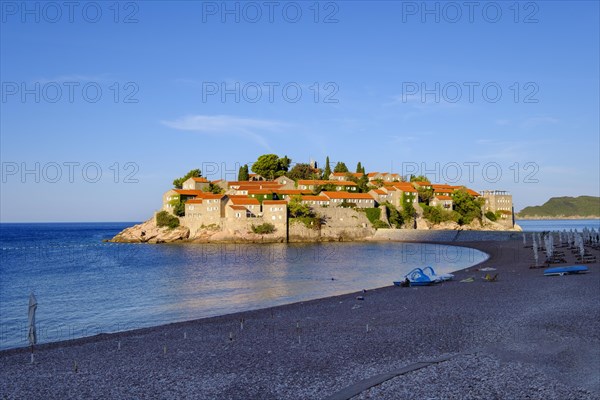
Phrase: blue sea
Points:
(533, 225)
(84, 286)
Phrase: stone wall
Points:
(341, 224)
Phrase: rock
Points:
(149, 232)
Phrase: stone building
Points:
(499, 202)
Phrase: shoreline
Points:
(92, 338)
(312, 349)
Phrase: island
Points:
(278, 202)
(581, 207)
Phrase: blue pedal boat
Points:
(569, 270)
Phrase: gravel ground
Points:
(534, 337)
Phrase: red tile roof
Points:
(356, 174)
(238, 207)
(442, 190)
(201, 179)
(208, 195)
(260, 191)
(244, 201)
(292, 191)
(308, 182)
(315, 198)
(266, 202)
(346, 195)
(194, 201)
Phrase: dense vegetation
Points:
(263, 229)
(299, 212)
(582, 206)
(164, 218)
(270, 166)
(195, 173)
(374, 215)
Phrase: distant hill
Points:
(557, 207)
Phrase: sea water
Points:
(540, 225)
(85, 286)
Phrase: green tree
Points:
(340, 167)
(298, 209)
(178, 182)
(408, 210)
(359, 168)
(329, 187)
(263, 229)
(394, 216)
(178, 207)
(164, 218)
(419, 178)
(214, 189)
(270, 166)
(467, 206)
(425, 195)
(301, 171)
(327, 170)
(491, 216)
(284, 164)
(243, 174)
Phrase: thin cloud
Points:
(227, 125)
(537, 121)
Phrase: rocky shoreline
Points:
(149, 232)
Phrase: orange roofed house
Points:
(361, 200)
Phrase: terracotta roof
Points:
(201, 179)
(208, 195)
(379, 191)
(238, 207)
(251, 183)
(245, 201)
(315, 198)
(442, 197)
(260, 191)
(274, 202)
(442, 190)
(445, 186)
(325, 182)
(403, 186)
(372, 174)
(194, 201)
(422, 183)
(356, 174)
(472, 192)
(346, 195)
(291, 191)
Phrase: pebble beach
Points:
(524, 336)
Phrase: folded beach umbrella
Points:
(32, 307)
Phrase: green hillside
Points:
(582, 206)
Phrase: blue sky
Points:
(379, 83)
